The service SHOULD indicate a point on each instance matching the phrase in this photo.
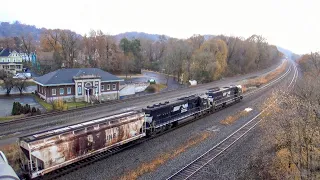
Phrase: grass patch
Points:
(7, 118)
(257, 82)
(43, 103)
(30, 83)
(155, 163)
(231, 119)
(72, 105)
(12, 153)
(153, 88)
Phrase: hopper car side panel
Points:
(64, 149)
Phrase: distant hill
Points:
(289, 53)
(208, 36)
(132, 35)
(286, 52)
(16, 29)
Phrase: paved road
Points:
(128, 160)
(158, 77)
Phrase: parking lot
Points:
(7, 102)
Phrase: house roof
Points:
(65, 76)
(5, 52)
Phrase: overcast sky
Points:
(292, 24)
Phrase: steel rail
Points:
(190, 169)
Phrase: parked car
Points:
(22, 76)
(152, 81)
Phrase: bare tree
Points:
(8, 81)
(293, 127)
(21, 84)
(27, 44)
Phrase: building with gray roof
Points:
(78, 84)
(10, 61)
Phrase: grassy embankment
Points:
(233, 118)
(12, 153)
(7, 118)
(70, 105)
(163, 158)
(259, 81)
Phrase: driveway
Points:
(7, 102)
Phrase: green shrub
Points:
(33, 111)
(14, 109)
(38, 111)
(18, 109)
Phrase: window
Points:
(114, 87)
(54, 92)
(69, 90)
(102, 87)
(79, 90)
(108, 86)
(61, 91)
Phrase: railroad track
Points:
(84, 110)
(103, 155)
(215, 150)
(87, 109)
(272, 82)
(193, 167)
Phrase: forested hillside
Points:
(17, 29)
(204, 58)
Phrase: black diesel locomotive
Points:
(165, 115)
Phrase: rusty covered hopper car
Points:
(49, 150)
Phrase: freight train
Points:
(50, 150)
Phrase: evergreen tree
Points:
(33, 111)
(14, 109)
(38, 111)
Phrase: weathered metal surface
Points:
(71, 146)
